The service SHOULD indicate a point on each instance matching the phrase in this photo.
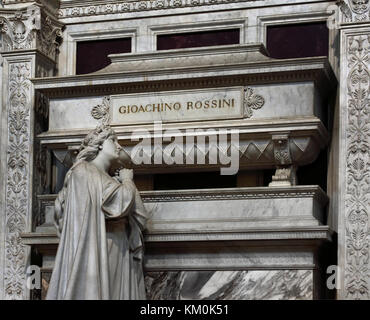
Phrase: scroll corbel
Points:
(285, 174)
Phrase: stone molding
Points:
(221, 194)
(30, 28)
(321, 233)
(357, 167)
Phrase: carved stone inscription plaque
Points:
(186, 105)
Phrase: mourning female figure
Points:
(100, 220)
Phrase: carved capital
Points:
(18, 29)
(30, 28)
(354, 10)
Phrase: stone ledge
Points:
(321, 233)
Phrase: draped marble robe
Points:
(101, 245)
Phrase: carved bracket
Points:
(285, 174)
(281, 150)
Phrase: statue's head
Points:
(93, 142)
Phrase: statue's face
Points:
(111, 148)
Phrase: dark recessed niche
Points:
(298, 40)
(93, 55)
(193, 180)
(198, 39)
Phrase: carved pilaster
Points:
(355, 131)
(18, 184)
(29, 47)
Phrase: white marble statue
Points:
(100, 220)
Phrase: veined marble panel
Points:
(223, 285)
(230, 285)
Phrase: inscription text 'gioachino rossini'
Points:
(171, 106)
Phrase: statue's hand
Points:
(126, 174)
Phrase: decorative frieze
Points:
(357, 191)
(89, 8)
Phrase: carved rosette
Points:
(101, 111)
(18, 184)
(252, 101)
(357, 193)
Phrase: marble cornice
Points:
(171, 70)
(317, 233)
(225, 194)
(255, 129)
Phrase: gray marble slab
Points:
(230, 285)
